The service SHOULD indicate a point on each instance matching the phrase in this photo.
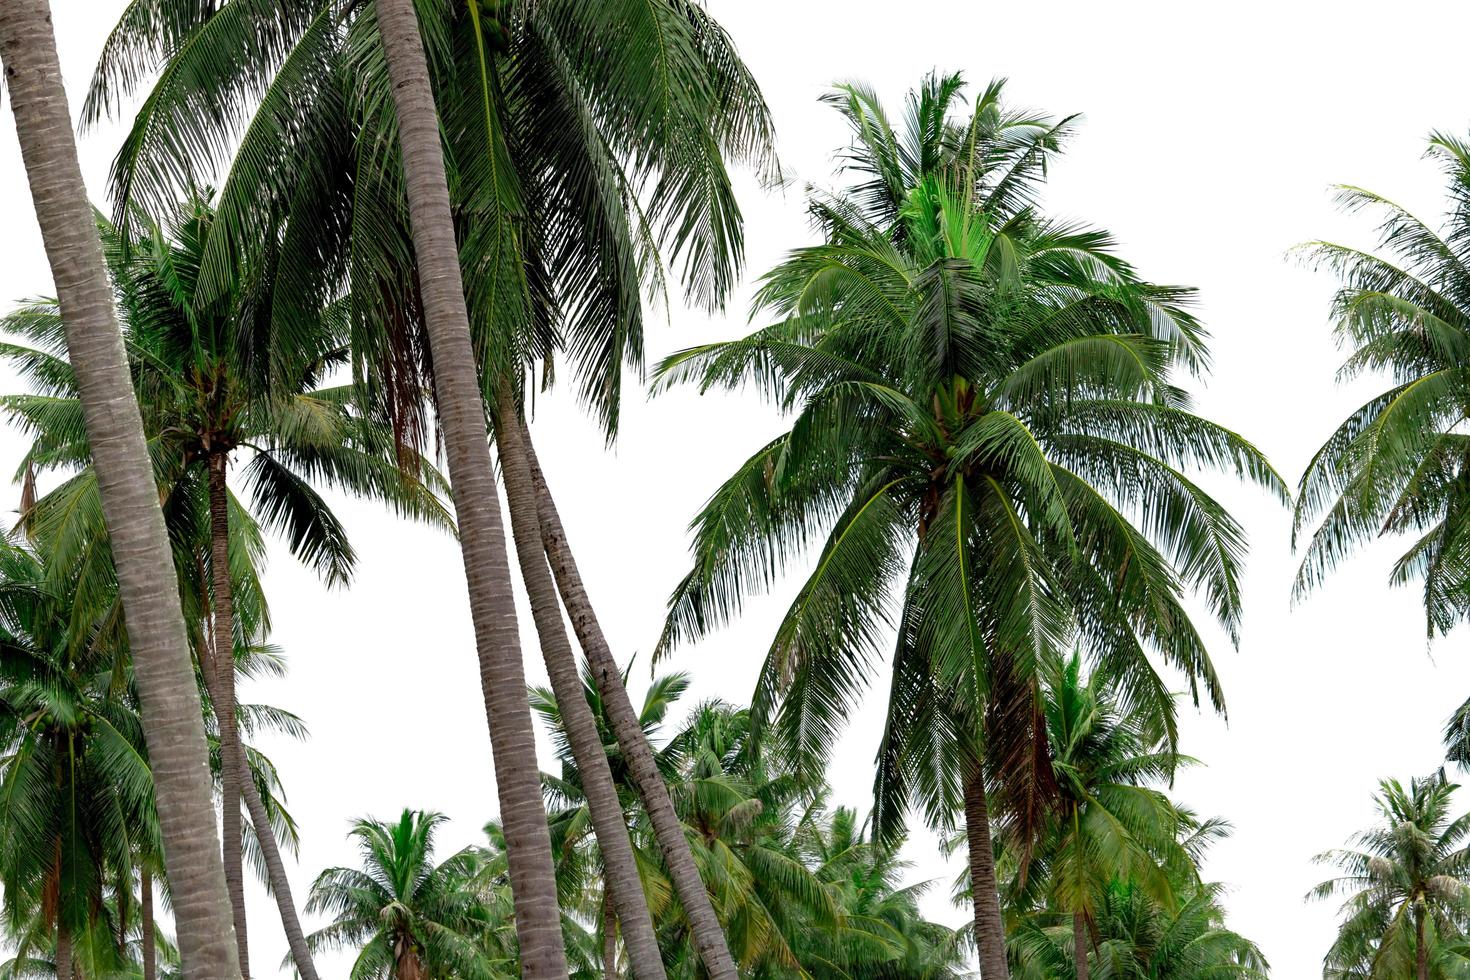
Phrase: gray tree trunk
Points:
(709, 937)
(1079, 944)
(173, 722)
(65, 964)
(990, 931)
(222, 693)
(275, 871)
(620, 867)
(148, 940)
(476, 501)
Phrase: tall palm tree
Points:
(173, 722)
(988, 436)
(1405, 881)
(220, 379)
(410, 917)
(1398, 464)
(578, 167)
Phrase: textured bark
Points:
(609, 937)
(1421, 952)
(1079, 944)
(709, 938)
(173, 723)
(275, 870)
(148, 940)
(476, 500)
(619, 866)
(65, 968)
(222, 693)
(990, 932)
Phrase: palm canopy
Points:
(988, 447)
(1397, 464)
(587, 145)
(214, 378)
(1405, 882)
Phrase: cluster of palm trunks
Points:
(987, 475)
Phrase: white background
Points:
(1211, 136)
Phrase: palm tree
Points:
(554, 134)
(218, 377)
(985, 411)
(173, 722)
(1397, 464)
(1143, 940)
(1405, 881)
(410, 918)
(1110, 824)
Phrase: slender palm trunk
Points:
(238, 784)
(65, 968)
(1421, 952)
(222, 693)
(1079, 944)
(476, 501)
(990, 933)
(173, 723)
(148, 941)
(709, 938)
(609, 937)
(620, 867)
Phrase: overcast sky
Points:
(1210, 138)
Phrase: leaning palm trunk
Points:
(219, 677)
(222, 693)
(173, 722)
(709, 938)
(476, 501)
(620, 867)
(1079, 944)
(990, 932)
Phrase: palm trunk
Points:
(709, 938)
(620, 867)
(148, 941)
(461, 411)
(1079, 944)
(222, 693)
(65, 968)
(173, 723)
(990, 933)
(609, 937)
(1421, 952)
(221, 683)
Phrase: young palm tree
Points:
(1110, 823)
(1397, 465)
(985, 411)
(219, 378)
(1405, 881)
(170, 702)
(410, 918)
(554, 134)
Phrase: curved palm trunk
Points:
(476, 501)
(990, 932)
(173, 723)
(1079, 944)
(238, 784)
(65, 968)
(148, 941)
(222, 693)
(620, 867)
(709, 938)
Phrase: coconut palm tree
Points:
(409, 917)
(1111, 822)
(173, 721)
(1404, 882)
(1397, 464)
(577, 168)
(987, 437)
(221, 380)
